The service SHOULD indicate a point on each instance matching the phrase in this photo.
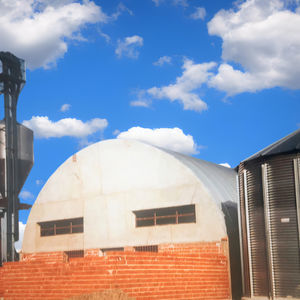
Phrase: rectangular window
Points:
(164, 216)
(58, 227)
(152, 248)
(74, 254)
(104, 250)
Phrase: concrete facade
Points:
(105, 182)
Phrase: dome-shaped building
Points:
(117, 193)
(118, 199)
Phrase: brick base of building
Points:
(176, 271)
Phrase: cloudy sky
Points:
(216, 79)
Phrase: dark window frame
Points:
(61, 227)
(165, 216)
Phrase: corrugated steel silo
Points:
(270, 220)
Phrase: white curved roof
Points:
(105, 182)
(219, 180)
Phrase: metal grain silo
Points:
(24, 163)
(270, 221)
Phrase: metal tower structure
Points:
(15, 148)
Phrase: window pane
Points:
(166, 220)
(140, 223)
(77, 228)
(47, 231)
(78, 221)
(63, 230)
(187, 219)
(168, 211)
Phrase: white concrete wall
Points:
(105, 183)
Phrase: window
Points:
(58, 227)
(152, 248)
(164, 216)
(74, 254)
(104, 250)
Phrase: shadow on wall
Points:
(229, 209)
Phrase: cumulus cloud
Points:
(18, 244)
(163, 60)
(185, 88)
(199, 13)
(65, 107)
(39, 30)
(25, 195)
(169, 138)
(129, 46)
(45, 128)
(227, 165)
(262, 37)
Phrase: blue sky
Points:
(215, 79)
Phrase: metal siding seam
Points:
(240, 233)
(297, 191)
(268, 229)
(248, 233)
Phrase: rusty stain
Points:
(74, 158)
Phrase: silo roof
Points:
(288, 144)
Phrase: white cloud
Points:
(163, 60)
(129, 46)
(185, 88)
(140, 103)
(142, 99)
(183, 3)
(199, 13)
(120, 9)
(169, 138)
(157, 2)
(104, 35)
(18, 244)
(39, 182)
(116, 132)
(262, 37)
(65, 107)
(227, 165)
(25, 195)
(45, 128)
(39, 31)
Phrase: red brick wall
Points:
(181, 271)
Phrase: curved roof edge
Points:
(220, 181)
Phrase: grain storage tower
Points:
(270, 220)
(16, 154)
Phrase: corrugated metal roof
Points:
(220, 181)
(288, 144)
